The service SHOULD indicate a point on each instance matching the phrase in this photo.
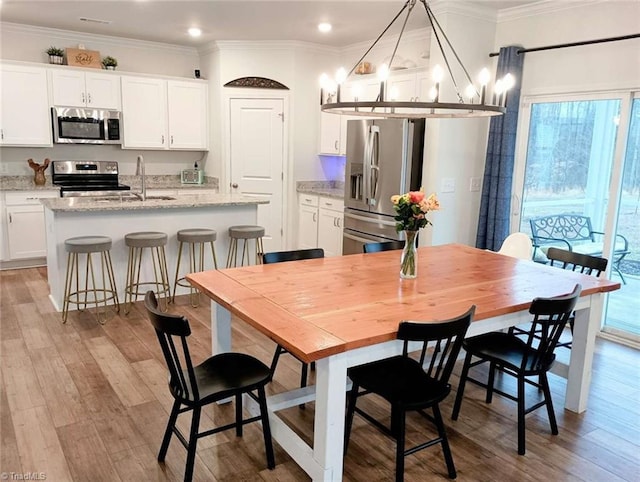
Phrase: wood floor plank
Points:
(38, 444)
(123, 379)
(20, 380)
(60, 392)
(86, 454)
(9, 455)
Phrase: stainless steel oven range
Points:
(87, 178)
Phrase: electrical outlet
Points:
(448, 185)
(475, 183)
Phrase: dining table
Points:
(344, 311)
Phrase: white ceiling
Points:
(167, 21)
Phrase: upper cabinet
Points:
(24, 116)
(187, 106)
(79, 89)
(161, 114)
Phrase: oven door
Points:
(85, 126)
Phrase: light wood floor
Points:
(85, 402)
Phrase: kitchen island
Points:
(114, 217)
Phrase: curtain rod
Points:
(572, 44)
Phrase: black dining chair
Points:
(219, 377)
(578, 262)
(412, 385)
(525, 360)
(283, 256)
(382, 246)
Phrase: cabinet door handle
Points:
(163, 139)
(171, 140)
(10, 218)
(314, 217)
(335, 145)
(83, 99)
(89, 98)
(1, 133)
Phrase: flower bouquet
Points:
(411, 215)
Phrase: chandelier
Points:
(472, 103)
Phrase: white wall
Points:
(577, 69)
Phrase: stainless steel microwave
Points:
(73, 125)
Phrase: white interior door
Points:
(257, 160)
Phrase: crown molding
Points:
(475, 10)
(82, 37)
(543, 7)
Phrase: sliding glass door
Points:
(571, 160)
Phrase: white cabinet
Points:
(24, 113)
(144, 113)
(25, 228)
(79, 89)
(320, 221)
(330, 221)
(401, 87)
(187, 105)
(160, 114)
(307, 221)
(330, 133)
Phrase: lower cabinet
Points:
(25, 228)
(320, 222)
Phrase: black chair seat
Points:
(400, 380)
(224, 375)
(507, 351)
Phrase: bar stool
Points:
(245, 233)
(193, 237)
(89, 245)
(137, 242)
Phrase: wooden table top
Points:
(319, 307)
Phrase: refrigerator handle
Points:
(366, 166)
(375, 164)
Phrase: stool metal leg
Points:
(175, 281)
(259, 250)
(71, 257)
(112, 280)
(233, 253)
(213, 254)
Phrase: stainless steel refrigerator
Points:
(384, 157)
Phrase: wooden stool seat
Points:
(89, 245)
(137, 242)
(194, 237)
(244, 232)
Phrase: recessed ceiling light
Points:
(195, 32)
(324, 27)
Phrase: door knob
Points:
(234, 185)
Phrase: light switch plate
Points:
(475, 183)
(448, 184)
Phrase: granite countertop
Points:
(25, 183)
(131, 203)
(333, 189)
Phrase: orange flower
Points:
(416, 196)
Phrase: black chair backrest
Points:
(382, 246)
(550, 316)
(447, 335)
(169, 330)
(579, 262)
(295, 255)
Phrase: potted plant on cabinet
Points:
(109, 63)
(56, 55)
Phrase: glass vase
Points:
(409, 259)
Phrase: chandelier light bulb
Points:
(341, 75)
(437, 74)
(499, 87)
(383, 73)
(433, 93)
(324, 81)
(508, 81)
(484, 76)
(470, 92)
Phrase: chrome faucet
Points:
(140, 172)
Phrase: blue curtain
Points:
(495, 205)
